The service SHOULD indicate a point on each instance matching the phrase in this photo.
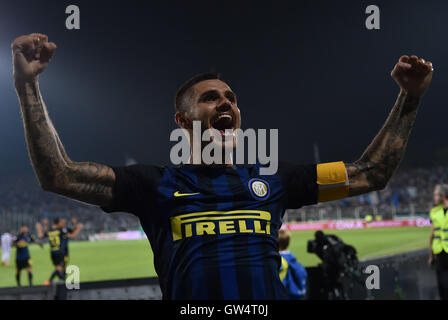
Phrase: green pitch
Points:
(108, 260)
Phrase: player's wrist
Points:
(23, 82)
(413, 95)
(410, 95)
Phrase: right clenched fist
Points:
(31, 55)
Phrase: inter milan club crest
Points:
(259, 189)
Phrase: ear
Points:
(182, 121)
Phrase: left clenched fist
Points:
(413, 75)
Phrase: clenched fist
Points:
(413, 75)
(31, 55)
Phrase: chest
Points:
(25, 238)
(194, 205)
(190, 193)
(440, 218)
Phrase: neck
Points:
(224, 163)
(445, 204)
(197, 155)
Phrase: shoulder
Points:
(285, 168)
(139, 171)
(289, 256)
(291, 173)
(435, 209)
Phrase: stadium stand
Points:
(22, 201)
(409, 193)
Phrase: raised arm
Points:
(75, 232)
(379, 161)
(84, 181)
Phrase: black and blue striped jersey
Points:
(23, 252)
(214, 230)
(57, 237)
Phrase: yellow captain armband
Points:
(332, 180)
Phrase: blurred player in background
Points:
(292, 274)
(23, 258)
(213, 228)
(6, 240)
(73, 226)
(58, 237)
(438, 239)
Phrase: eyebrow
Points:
(228, 94)
(231, 94)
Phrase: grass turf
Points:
(109, 260)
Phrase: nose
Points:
(225, 106)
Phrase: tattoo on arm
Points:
(379, 161)
(87, 182)
(41, 143)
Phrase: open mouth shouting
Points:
(224, 122)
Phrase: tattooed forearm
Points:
(379, 161)
(89, 182)
(46, 158)
(56, 172)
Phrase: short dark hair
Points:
(443, 189)
(182, 100)
(56, 220)
(283, 239)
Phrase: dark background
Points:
(309, 68)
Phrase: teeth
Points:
(226, 116)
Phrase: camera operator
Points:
(337, 258)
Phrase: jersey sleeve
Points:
(299, 183)
(313, 183)
(134, 188)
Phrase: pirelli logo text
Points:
(220, 222)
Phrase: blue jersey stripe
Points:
(273, 287)
(226, 256)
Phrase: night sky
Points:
(308, 68)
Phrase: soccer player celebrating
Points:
(23, 259)
(213, 228)
(58, 238)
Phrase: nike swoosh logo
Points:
(178, 194)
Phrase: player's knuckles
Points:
(424, 68)
(413, 60)
(39, 37)
(19, 42)
(23, 43)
